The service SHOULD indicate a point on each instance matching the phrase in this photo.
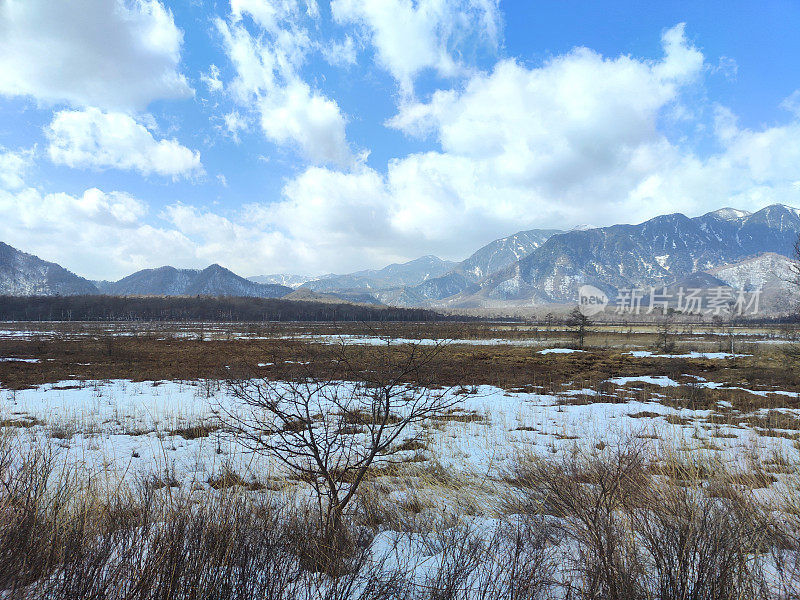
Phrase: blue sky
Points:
(308, 136)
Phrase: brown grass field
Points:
(191, 352)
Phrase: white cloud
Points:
(13, 168)
(96, 234)
(234, 123)
(93, 138)
(340, 54)
(295, 114)
(410, 37)
(242, 246)
(792, 103)
(520, 144)
(105, 235)
(113, 54)
(268, 79)
(212, 80)
(576, 140)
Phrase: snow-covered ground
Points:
(120, 428)
(117, 430)
(707, 355)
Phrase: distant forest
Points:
(198, 308)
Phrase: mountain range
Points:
(24, 274)
(539, 266)
(409, 273)
(214, 280)
(658, 252)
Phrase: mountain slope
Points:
(660, 251)
(489, 259)
(762, 271)
(211, 281)
(24, 274)
(773, 274)
(395, 275)
(306, 295)
(285, 279)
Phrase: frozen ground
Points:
(706, 355)
(120, 428)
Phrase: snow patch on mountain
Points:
(285, 279)
(731, 214)
(758, 273)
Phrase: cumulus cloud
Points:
(235, 242)
(100, 235)
(13, 168)
(96, 234)
(114, 54)
(410, 37)
(570, 136)
(268, 80)
(562, 143)
(93, 138)
(105, 235)
(578, 139)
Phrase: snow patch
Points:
(693, 354)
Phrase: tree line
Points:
(198, 308)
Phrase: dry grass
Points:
(87, 351)
(622, 521)
(194, 432)
(610, 521)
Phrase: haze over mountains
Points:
(405, 274)
(727, 246)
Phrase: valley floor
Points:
(713, 423)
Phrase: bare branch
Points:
(339, 414)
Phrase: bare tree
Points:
(579, 324)
(334, 417)
(665, 332)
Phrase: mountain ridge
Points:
(214, 280)
(658, 251)
(23, 274)
(538, 266)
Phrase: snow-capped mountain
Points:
(394, 276)
(501, 253)
(464, 276)
(726, 246)
(660, 251)
(211, 281)
(285, 279)
(774, 274)
(24, 274)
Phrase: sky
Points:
(316, 136)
